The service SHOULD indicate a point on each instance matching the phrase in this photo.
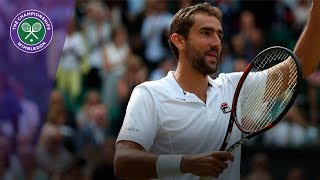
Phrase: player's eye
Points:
(205, 33)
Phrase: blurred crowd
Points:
(112, 46)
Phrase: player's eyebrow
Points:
(219, 31)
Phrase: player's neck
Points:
(192, 82)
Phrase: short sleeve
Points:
(140, 122)
(232, 78)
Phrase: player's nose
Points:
(215, 42)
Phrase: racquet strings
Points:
(267, 90)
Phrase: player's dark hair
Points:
(184, 19)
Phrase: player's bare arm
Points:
(308, 47)
(287, 71)
(133, 162)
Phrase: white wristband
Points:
(168, 165)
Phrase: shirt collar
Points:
(174, 88)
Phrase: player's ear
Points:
(178, 40)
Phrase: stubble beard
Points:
(197, 59)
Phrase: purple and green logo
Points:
(31, 31)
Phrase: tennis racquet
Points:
(265, 92)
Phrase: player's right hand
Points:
(208, 164)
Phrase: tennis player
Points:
(174, 127)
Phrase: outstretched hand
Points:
(208, 164)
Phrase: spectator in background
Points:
(57, 118)
(230, 11)
(92, 98)
(95, 131)
(231, 53)
(184, 4)
(105, 167)
(135, 7)
(259, 168)
(135, 73)
(263, 12)
(240, 64)
(97, 30)
(295, 173)
(133, 23)
(169, 63)
(281, 32)
(51, 155)
(248, 31)
(289, 132)
(155, 24)
(76, 171)
(56, 98)
(257, 42)
(69, 75)
(29, 168)
(116, 13)
(92, 135)
(115, 56)
(226, 60)
(313, 97)
(56, 101)
(301, 13)
(238, 47)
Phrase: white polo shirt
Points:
(165, 120)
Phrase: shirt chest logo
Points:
(225, 108)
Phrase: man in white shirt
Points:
(174, 127)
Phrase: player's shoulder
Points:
(151, 86)
(161, 87)
(223, 78)
(228, 76)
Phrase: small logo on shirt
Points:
(225, 108)
(132, 129)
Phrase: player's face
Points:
(204, 44)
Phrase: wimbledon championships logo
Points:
(31, 31)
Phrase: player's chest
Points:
(175, 114)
